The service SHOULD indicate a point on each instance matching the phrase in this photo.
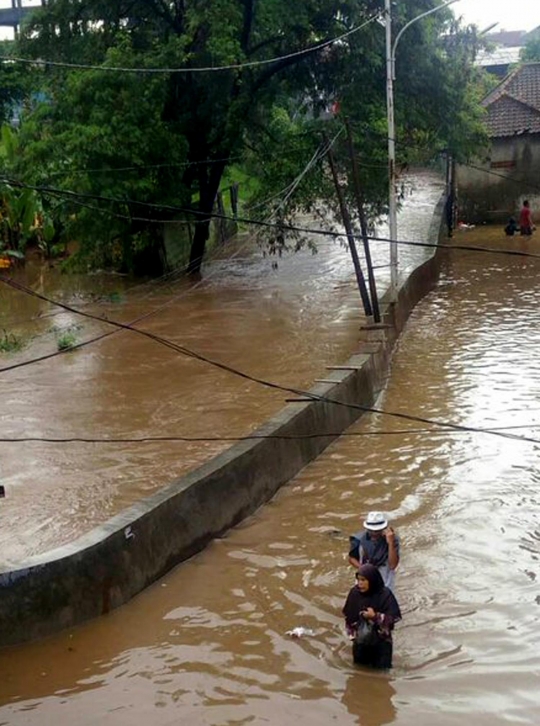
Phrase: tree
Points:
(100, 119)
(173, 134)
(14, 85)
(531, 52)
(437, 98)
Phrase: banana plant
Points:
(22, 217)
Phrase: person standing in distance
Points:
(377, 545)
(526, 227)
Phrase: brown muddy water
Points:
(208, 644)
(284, 325)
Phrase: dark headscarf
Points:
(378, 597)
(373, 576)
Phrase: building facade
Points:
(493, 188)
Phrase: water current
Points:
(284, 325)
(208, 643)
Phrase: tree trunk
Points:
(198, 246)
(209, 187)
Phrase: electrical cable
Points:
(247, 437)
(233, 66)
(307, 395)
(506, 177)
(261, 223)
(289, 189)
(142, 167)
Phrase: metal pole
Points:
(392, 202)
(363, 225)
(350, 235)
(390, 78)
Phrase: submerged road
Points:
(284, 325)
(208, 643)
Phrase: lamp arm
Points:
(418, 17)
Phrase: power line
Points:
(247, 437)
(188, 69)
(506, 177)
(142, 167)
(289, 190)
(307, 395)
(204, 216)
(187, 164)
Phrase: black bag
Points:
(366, 633)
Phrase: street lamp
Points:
(390, 78)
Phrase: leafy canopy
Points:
(123, 141)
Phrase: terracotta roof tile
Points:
(513, 107)
(509, 117)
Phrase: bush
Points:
(10, 343)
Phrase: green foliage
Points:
(437, 106)
(10, 342)
(22, 214)
(531, 52)
(169, 132)
(15, 254)
(66, 341)
(437, 89)
(122, 141)
(66, 338)
(114, 297)
(15, 85)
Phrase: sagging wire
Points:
(188, 69)
(290, 189)
(247, 437)
(307, 396)
(51, 191)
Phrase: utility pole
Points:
(363, 225)
(350, 234)
(391, 47)
(392, 201)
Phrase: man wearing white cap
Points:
(377, 545)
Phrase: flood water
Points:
(283, 325)
(208, 644)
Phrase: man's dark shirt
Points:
(374, 551)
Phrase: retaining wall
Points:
(112, 563)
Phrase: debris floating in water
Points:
(299, 632)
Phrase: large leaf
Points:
(13, 253)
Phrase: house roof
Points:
(513, 107)
(508, 38)
(506, 47)
(498, 57)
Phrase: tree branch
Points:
(281, 65)
(263, 44)
(164, 12)
(249, 12)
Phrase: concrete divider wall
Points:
(112, 563)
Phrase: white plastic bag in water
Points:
(299, 632)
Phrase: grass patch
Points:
(66, 341)
(11, 343)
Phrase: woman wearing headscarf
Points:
(371, 611)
